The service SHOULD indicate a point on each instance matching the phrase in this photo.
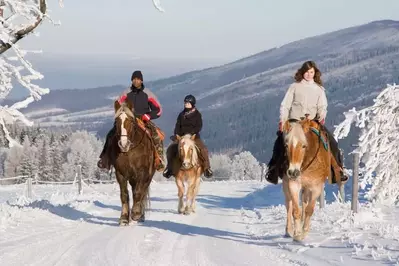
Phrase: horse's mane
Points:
(186, 139)
(296, 133)
(124, 109)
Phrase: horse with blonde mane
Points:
(187, 167)
(309, 164)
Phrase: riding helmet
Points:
(190, 99)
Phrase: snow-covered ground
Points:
(237, 223)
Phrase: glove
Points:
(173, 138)
(122, 98)
(146, 118)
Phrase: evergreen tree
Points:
(56, 160)
(45, 170)
(29, 161)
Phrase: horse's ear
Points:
(117, 105)
(286, 126)
(129, 104)
(178, 137)
(193, 137)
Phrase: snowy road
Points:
(236, 224)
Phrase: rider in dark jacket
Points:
(146, 107)
(189, 121)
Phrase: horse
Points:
(132, 154)
(309, 164)
(187, 168)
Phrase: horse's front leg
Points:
(190, 193)
(289, 231)
(294, 188)
(316, 191)
(180, 193)
(196, 189)
(124, 195)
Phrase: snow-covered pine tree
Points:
(246, 167)
(45, 162)
(12, 164)
(378, 144)
(29, 160)
(83, 149)
(56, 159)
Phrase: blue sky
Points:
(215, 30)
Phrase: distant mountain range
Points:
(240, 100)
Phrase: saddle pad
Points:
(317, 132)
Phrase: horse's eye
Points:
(304, 147)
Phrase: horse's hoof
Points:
(180, 210)
(123, 222)
(299, 238)
(140, 218)
(289, 234)
(188, 210)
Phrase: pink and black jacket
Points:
(146, 105)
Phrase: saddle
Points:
(161, 135)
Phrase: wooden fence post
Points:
(342, 187)
(80, 179)
(29, 187)
(355, 182)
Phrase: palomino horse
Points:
(187, 167)
(309, 160)
(133, 155)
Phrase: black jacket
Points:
(143, 104)
(188, 122)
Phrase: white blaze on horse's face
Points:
(123, 142)
(296, 145)
(188, 154)
(186, 158)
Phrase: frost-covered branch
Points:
(157, 5)
(378, 144)
(19, 19)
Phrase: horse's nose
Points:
(126, 145)
(293, 172)
(296, 173)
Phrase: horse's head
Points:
(188, 151)
(124, 120)
(295, 144)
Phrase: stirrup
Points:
(167, 173)
(208, 173)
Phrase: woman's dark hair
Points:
(304, 68)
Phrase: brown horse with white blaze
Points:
(187, 167)
(133, 155)
(309, 164)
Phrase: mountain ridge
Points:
(242, 98)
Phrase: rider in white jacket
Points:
(305, 97)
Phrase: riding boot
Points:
(158, 144)
(205, 157)
(171, 153)
(104, 162)
(337, 157)
(274, 166)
